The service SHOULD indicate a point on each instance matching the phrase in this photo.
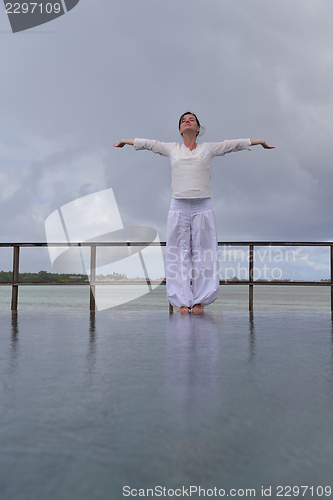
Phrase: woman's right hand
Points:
(122, 143)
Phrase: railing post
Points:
(251, 278)
(16, 259)
(331, 264)
(92, 278)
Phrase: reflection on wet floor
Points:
(92, 402)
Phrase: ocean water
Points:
(231, 298)
(90, 404)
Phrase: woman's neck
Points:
(190, 142)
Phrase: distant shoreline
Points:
(117, 279)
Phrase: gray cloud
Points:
(248, 69)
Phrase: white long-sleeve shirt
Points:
(191, 170)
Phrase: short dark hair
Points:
(189, 113)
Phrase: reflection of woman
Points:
(191, 231)
(193, 364)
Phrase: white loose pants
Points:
(191, 253)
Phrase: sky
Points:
(110, 70)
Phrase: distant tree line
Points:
(45, 277)
(42, 277)
(113, 276)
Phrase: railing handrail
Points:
(163, 243)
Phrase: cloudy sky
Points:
(110, 70)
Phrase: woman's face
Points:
(189, 122)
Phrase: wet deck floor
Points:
(89, 405)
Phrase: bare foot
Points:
(183, 310)
(197, 309)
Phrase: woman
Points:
(191, 253)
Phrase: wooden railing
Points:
(250, 282)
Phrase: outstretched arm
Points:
(256, 142)
(122, 143)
